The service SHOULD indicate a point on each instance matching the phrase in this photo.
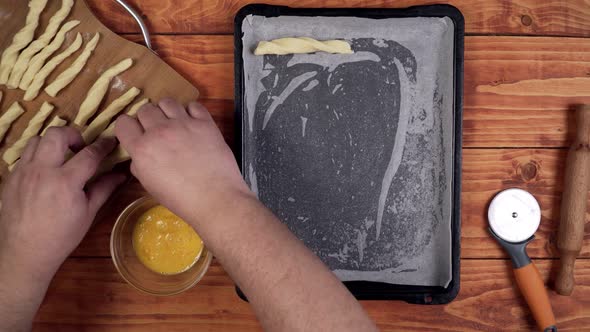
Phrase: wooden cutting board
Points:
(149, 73)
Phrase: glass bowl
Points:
(131, 268)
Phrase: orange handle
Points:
(532, 287)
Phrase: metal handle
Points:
(144, 30)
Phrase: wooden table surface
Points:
(526, 63)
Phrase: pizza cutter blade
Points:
(514, 216)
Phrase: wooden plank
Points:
(518, 91)
(88, 294)
(521, 17)
(485, 172)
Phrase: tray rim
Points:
(367, 290)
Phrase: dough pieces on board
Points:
(41, 76)
(103, 119)
(98, 91)
(35, 124)
(110, 131)
(37, 45)
(55, 122)
(6, 120)
(21, 39)
(283, 46)
(39, 60)
(68, 75)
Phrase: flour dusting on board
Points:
(118, 84)
(354, 152)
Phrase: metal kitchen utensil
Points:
(514, 216)
(144, 30)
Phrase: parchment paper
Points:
(355, 152)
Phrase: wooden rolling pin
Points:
(573, 206)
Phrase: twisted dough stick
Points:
(68, 75)
(110, 131)
(98, 90)
(103, 119)
(13, 153)
(301, 45)
(55, 122)
(39, 80)
(118, 155)
(39, 60)
(21, 39)
(25, 56)
(14, 111)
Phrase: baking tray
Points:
(371, 290)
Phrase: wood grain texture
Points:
(89, 295)
(523, 17)
(111, 49)
(540, 115)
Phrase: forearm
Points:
(288, 286)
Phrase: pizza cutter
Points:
(514, 216)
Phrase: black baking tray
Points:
(364, 290)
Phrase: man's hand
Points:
(180, 157)
(47, 209)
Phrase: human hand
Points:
(180, 157)
(46, 208)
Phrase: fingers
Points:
(128, 131)
(85, 163)
(30, 149)
(198, 111)
(54, 145)
(100, 190)
(151, 116)
(172, 108)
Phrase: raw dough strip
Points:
(35, 124)
(25, 56)
(98, 91)
(39, 80)
(39, 60)
(118, 155)
(110, 131)
(6, 120)
(55, 122)
(68, 75)
(21, 39)
(302, 45)
(103, 119)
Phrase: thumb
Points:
(101, 189)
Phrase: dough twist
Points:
(302, 45)
(41, 76)
(6, 120)
(103, 119)
(98, 91)
(68, 75)
(39, 60)
(110, 131)
(25, 56)
(21, 39)
(55, 122)
(118, 155)
(35, 124)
